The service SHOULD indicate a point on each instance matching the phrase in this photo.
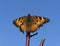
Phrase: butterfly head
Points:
(28, 15)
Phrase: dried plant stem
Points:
(27, 39)
(42, 42)
(28, 36)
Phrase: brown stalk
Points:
(27, 39)
(42, 42)
(28, 36)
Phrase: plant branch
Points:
(28, 36)
(42, 42)
(27, 39)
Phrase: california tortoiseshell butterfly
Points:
(30, 23)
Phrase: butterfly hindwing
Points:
(23, 27)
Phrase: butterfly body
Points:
(30, 23)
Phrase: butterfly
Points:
(30, 23)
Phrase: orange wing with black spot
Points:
(37, 22)
(20, 22)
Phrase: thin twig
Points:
(42, 42)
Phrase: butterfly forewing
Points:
(19, 21)
(39, 20)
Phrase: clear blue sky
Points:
(12, 9)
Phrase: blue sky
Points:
(12, 9)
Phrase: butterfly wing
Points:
(37, 22)
(20, 22)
